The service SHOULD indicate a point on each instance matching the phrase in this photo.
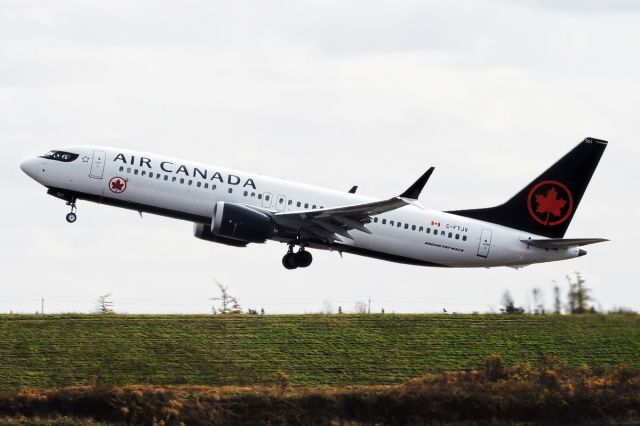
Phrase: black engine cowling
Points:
(203, 232)
(240, 223)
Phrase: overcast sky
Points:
(331, 93)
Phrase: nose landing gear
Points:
(301, 259)
(72, 217)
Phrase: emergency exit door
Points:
(97, 165)
(485, 243)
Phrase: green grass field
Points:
(49, 351)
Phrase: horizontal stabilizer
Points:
(562, 243)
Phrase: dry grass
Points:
(532, 393)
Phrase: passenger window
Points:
(313, 207)
(199, 184)
(464, 238)
(151, 174)
(190, 182)
(213, 187)
(391, 222)
(428, 230)
(399, 224)
(246, 193)
(457, 236)
(206, 185)
(406, 226)
(281, 200)
(166, 177)
(298, 204)
(173, 179)
(413, 227)
(290, 202)
(375, 220)
(442, 233)
(158, 176)
(306, 205)
(267, 197)
(420, 229)
(181, 180)
(135, 172)
(253, 195)
(259, 196)
(450, 235)
(384, 221)
(144, 173)
(230, 190)
(128, 169)
(122, 168)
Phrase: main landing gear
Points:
(301, 259)
(71, 217)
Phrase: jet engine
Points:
(203, 232)
(241, 223)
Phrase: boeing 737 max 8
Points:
(238, 208)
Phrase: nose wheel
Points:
(301, 259)
(72, 217)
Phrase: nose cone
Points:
(30, 167)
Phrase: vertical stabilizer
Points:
(547, 204)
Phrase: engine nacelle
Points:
(240, 223)
(203, 232)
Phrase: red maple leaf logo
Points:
(117, 185)
(550, 204)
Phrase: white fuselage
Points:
(189, 191)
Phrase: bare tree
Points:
(361, 307)
(327, 307)
(579, 297)
(557, 302)
(104, 304)
(228, 303)
(538, 302)
(509, 304)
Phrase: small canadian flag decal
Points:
(435, 223)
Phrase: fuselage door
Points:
(485, 243)
(97, 165)
(281, 203)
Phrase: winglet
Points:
(414, 190)
(353, 189)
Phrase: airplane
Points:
(237, 208)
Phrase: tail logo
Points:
(550, 203)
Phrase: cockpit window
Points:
(66, 157)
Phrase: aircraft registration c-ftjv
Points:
(238, 208)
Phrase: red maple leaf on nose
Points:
(117, 185)
(550, 203)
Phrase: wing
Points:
(332, 223)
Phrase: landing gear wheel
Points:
(289, 261)
(71, 217)
(303, 258)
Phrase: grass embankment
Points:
(65, 350)
(545, 393)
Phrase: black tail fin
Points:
(546, 205)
